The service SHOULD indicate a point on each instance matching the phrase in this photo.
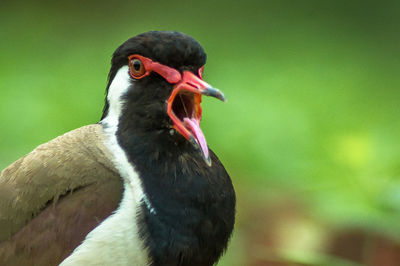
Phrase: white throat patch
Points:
(118, 87)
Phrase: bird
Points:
(139, 187)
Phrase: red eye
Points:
(201, 70)
(136, 68)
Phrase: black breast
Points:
(193, 204)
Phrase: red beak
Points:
(185, 111)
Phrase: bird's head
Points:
(156, 83)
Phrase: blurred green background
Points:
(310, 132)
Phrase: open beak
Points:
(184, 109)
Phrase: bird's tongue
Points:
(194, 126)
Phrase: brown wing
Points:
(51, 198)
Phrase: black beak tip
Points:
(223, 98)
(210, 91)
(220, 95)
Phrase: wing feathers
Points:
(52, 197)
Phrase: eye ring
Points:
(136, 68)
(200, 72)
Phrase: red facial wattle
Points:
(183, 105)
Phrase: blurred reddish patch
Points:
(365, 247)
(280, 231)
